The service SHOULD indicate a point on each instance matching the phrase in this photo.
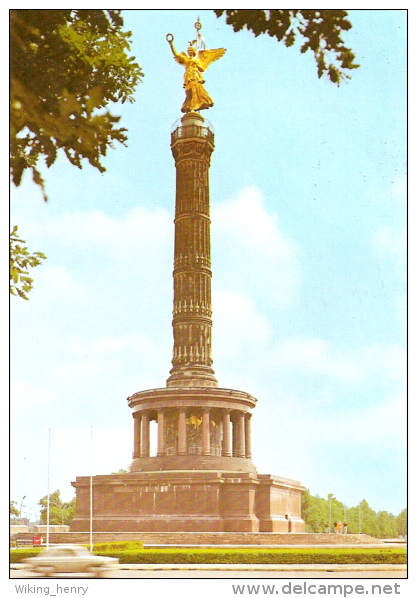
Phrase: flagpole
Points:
(47, 503)
(91, 488)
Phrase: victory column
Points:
(202, 477)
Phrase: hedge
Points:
(262, 556)
(17, 555)
(111, 546)
(250, 556)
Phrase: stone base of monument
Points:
(189, 501)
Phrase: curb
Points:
(211, 567)
(277, 567)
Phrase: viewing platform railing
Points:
(181, 131)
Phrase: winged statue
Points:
(195, 62)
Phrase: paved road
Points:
(233, 572)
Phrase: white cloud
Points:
(245, 219)
(382, 425)
(317, 357)
(24, 395)
(139, 230)
(251, 254)
(57, 282)
(386, 362)
(83, 370)
(135, 341)
(386, 242)
(237, 325)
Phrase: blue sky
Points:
(308, 207)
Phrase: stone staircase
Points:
(204, 539)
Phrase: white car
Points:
(68, 558)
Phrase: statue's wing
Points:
(206, 57)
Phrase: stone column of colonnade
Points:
(240, 435)
(137, 424)
(182, 432)
(227, 438)
(248, 438)
(145, 444)
(161, 433)
(236, 439)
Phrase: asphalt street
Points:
(238, 572)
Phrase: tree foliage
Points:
(66, 67)
(20, 262)
(60, 513)
(402, 522)
(318, 30)
(13, 509)
(319, 512)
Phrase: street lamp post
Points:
(91, 488)
(47, 504)
(330, 512)
(28, 514)
(30, 509)
(20, 512)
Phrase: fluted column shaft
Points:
(192, 324)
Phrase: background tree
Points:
(387, 524)
(66, 67)
(402, 522)
(317, 30)
(13, 510)
(369, 522)
(60, 513)
(315, 511)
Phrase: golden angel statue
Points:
(196, 61)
